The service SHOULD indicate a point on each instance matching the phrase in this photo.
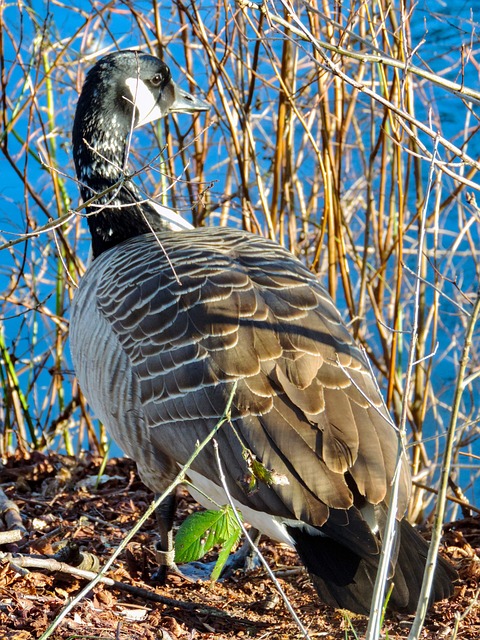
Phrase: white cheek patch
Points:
(174, 220)
(145, 102)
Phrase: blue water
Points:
(438, 28)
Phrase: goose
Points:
(169, 322)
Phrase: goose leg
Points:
(164, 548)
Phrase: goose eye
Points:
(157, 80)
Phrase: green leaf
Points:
(202, 530)
(227, 548)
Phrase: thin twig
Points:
(376, 610)
(50, 564)
(153, 506)
(444, 477)
(252, 544)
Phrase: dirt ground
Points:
(59, 503)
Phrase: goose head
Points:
(123, 91)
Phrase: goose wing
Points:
(178, 323)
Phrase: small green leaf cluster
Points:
(203, 530)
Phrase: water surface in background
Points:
(438, 29)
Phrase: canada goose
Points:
(163, 324)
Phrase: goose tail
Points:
(345, 579)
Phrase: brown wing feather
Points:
(236, 307)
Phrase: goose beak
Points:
(185, 102)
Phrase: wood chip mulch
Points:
(62, 508)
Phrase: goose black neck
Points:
(101, 127)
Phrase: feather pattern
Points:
(230, 306)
